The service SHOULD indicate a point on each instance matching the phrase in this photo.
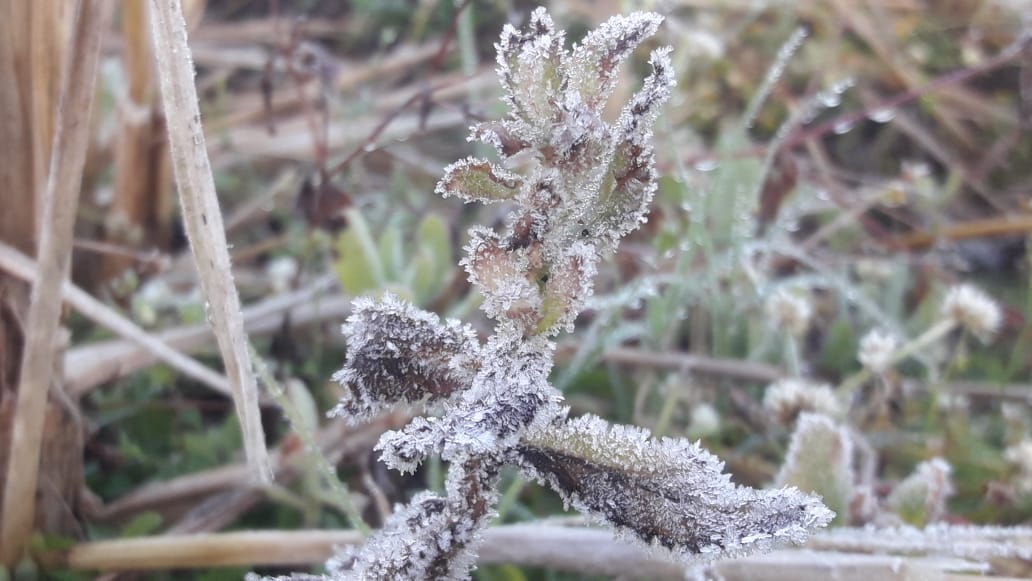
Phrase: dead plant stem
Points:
(60, 200)
(203, 220)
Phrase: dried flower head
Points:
(877, 349)
(789, 311)
(788, 398)
(974, 310)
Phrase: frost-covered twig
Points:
(591, 185)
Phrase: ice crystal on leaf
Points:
(668, 492)
(590, 184)
(400, 354)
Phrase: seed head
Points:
(787, 398)
(790, 312)
(876, 351)
(974, 310)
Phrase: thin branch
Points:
(203, 220)
(24, 268)
(60, 200)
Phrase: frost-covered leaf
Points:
(398, 353)
(630, 180)
(667, 492)
(501, 136)
(568, 286)
(478, 180)
(530, 63)
(596, 60)
(501, 274)
(921, 498)
(433, 537)
(820, 459)
(509, 399)
(405, 449)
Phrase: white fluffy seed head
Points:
(876, 351)
(974, 310)
(789, 311)
(787, 398)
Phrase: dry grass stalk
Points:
(90, 365)
(203, 220)
(23, 267)
(336, 441)
(574, 549)
(60, 200)
(142, 205)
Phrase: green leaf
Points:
(304, 403)
(358, 262)
(840, 347)
(433, 235)
(391, 253)
(819, 460)
(430, 268)
(424, 277)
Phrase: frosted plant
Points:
(787, 398)
(820, 459)
(877, 349)
(974, 310)
(590, 185)
(921, 497)
(790, 312)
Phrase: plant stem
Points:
(933, 334)
(313, 452)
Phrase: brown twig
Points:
(988, 227)
(60, 200)
(689, 363)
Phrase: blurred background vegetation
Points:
(861, 155)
